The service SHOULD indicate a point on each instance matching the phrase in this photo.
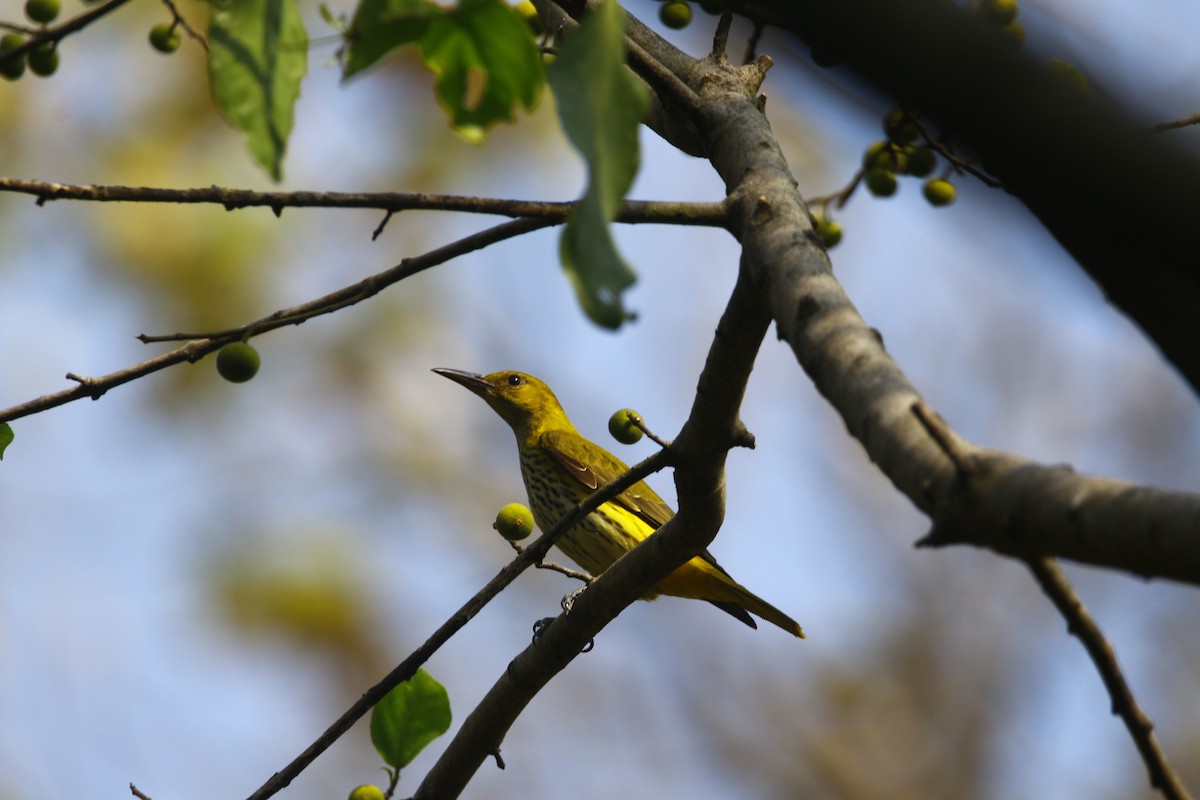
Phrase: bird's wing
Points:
(639, 499)
(601, 468)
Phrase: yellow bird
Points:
(560, 468)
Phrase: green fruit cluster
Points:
(514, 522)
(899, 154)
(42, 60)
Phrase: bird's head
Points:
(523, 401)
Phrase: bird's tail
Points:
(761, 608)
(704, 580)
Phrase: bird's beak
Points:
(475, 383)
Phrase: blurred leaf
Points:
(258, 52)
(481, 52)
(601, 106)
(335, 21)
(485, 62)
(380, 26)
(411, 716)
(6, 437)
(308, 591)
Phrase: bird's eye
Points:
(515, 380)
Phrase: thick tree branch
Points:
(1009, 503)
(1118, 198)
(963, 488)
(1025, 510)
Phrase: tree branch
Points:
(529, 556)
(1051, 146)
(1083, 626)
(632, 211)
(1009, 504)
(963, 488)
(699, 456)
(56, 33)
(1025, 510)
(201, 345)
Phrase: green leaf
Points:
(411, 716)
(481, 52)
(257, 54)
(380, 26)
(486, 64)
(6, 437)
(601, 106)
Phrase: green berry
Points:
(514, 522)
(1071, 74)
(13, 68)
(829, 231)
(899, 127)
(42, 11)
(237, 362)
(622, 428)
(1015, 32)
(999, 12)
(675, 14)
(881, 182)
(368, 791)
(921, 161)
(886, 156)
(43, 60)
(939, 192)
(874, 152)
(164, 38)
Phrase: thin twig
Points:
(1183, 122)
(1083, 626)
(945, 152)
(57, 32)
(632, 211)
(638, 422)
(408, 667)
(196, 346)
(554, 566)
(187, 28)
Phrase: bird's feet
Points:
(568, 601)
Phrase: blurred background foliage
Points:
(196, 577)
